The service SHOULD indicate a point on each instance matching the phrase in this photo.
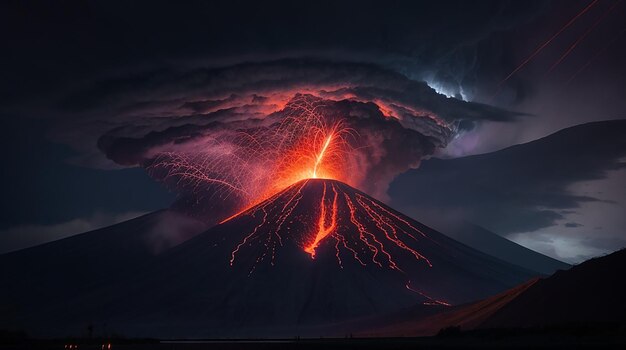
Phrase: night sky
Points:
(530, 95)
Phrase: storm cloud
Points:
(186, 128)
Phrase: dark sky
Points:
(72, 71)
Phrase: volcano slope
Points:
(315, 256)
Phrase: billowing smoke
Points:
(224, 138)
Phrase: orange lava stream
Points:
(363, 232)
(324, 229)
(387, 227)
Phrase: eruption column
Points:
(321, 155)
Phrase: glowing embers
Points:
(329, 219)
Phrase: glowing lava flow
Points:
(332, 212)
(327, 219)
(324, 230)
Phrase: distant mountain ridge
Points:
(521, 188)
(497, 246)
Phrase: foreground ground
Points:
(606, 336)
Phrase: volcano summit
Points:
(316, 255)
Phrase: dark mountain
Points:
(521, 188)
(409, 323)
(37, 278)
(312, 257)
(497, 246)
(590, 294)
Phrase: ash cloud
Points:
(197, 117)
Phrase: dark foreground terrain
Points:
(609, 336)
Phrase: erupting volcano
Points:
(296, 249)
(312, 259)
(314, 256)
(228, 167)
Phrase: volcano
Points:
(311, 260)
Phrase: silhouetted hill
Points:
(521, 188)
(592, 292)
(497, 246)
(589, 295)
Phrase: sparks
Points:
(258, 162)
(227, 168)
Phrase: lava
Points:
(354, 222)
(326, 218)
(324, 228)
